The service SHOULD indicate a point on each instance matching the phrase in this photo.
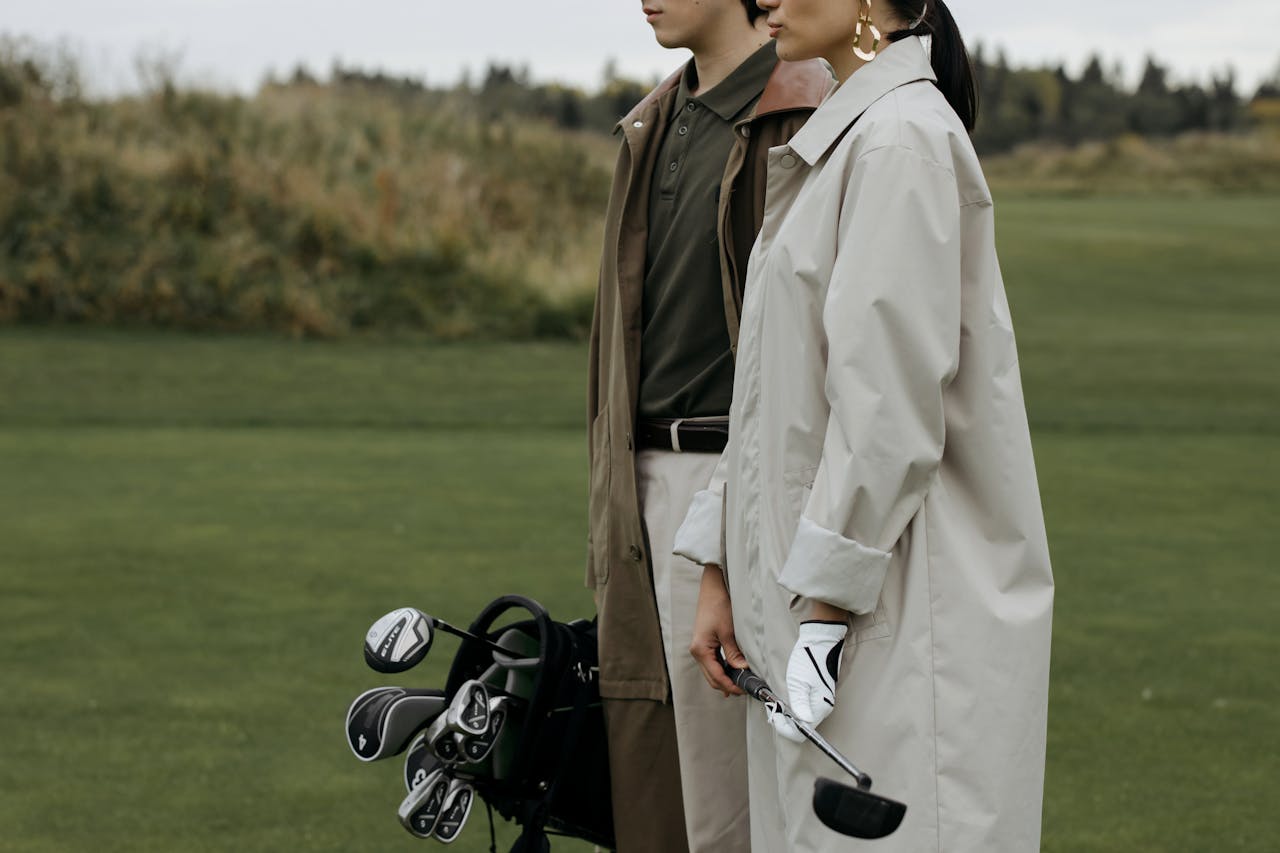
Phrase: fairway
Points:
(195, 532)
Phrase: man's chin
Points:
(669, 40)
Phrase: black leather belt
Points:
(698, 435)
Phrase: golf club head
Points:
(457, 808)
(419, 762)
(442, 740)
(855, 812)
(420, 811)
(469, 711)
(476, 748)
(382, 721)
(398, 641)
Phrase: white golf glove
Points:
(812, 672)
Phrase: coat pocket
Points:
(599, 502)
(871, 626)
(798, 485)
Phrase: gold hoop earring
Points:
(864, 17)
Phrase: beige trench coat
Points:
(880, 460)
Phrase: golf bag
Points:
(556, 779)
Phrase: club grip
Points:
(747, 681)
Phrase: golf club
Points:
(457, 808)
(850, 811)
(419, 762)
(420, 811)
(401, 639)
(476, 748)
(441, 740)
(382, 721)
(469, 711)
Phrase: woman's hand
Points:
(713, 631)
(814, 668)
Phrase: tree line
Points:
(1019, 105)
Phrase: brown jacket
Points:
(631, 657)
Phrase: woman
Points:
(876, 510)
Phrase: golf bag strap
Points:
(534, 836)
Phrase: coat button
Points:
(674, 166)
(635, 553)
(683, 131)
(746, 131)
(787, 161)
(638, 124)
(691, 106)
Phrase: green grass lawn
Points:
(195, 532)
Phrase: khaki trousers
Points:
(709, 730)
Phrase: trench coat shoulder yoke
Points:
(899, 64)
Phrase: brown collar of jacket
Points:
(791, 86)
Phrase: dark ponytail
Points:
(950, 59)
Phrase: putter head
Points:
(398, 641)
(855, 812)
(457, 808)
(382, 721)
(420, 761)
(469, 711)
(420, 811)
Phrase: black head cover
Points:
(855, 812)
(364, 720)
(382, 721)
(419, 762)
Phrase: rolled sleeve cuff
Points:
(825, 566)
(699, 538)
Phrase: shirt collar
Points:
(900, 63)
(736, 92)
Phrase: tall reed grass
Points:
(310, 209)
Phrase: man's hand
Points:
(713, 631)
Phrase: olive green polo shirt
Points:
(686, 368)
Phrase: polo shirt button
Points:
(674, 166)
(787, 161)
(635, 553)
(683, 131)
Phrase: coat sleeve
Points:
(891, 318)
(701, 534)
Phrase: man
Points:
(687, 202)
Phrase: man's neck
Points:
(719, 58)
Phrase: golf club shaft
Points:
(757, 687)
(442, 625)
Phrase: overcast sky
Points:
(232, 43)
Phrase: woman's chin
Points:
(791, 51)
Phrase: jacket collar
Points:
(791, 86)
(897, 65)
(794, 86)
(665, 87)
